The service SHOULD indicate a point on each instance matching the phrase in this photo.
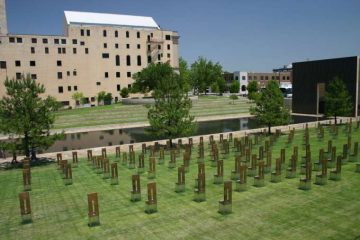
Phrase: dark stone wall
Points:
(306, 76)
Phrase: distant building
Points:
(98, 52)
(284, 78)
(310, 79)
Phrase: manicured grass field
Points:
(125, 114)
(276, 211)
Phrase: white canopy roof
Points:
(109, 19)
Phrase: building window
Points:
(117, 74)
(18, 75)
(2, 65)
(86, 51)
(266, 78)
(138, 46)
(106, 75)
(11, 39)
(63, 41)
(69, 88)
(127, 46)
(82, 43)
(117, 60)
(68, 73)
(46, 50)
(82, 32)
(128, 74)
(32, 63)
(168, 55)
(105, 55)
(19, 40)
(59, 50)
(139, 60)
(116, 45)
(159, 57)
(32, 49)
(261, 77)
(127, 34)
(149, 59)
(138, 34)
(243, 78)
(250, 77)
(17, 63)
(128, 60)
(74, 73)
(33, 40)
(167, 37)
(104, 33)
(98, 83)
(56, 41)
(33, 76)
(118, 88)
(45, 40)
(277, 78)
(149, 48)
(60, 89)
(74, 51)
(105, 45)
(168, 47)
(159, 47)
(58, 63)
(287, 78)
(74, 41)
(129, 86)
(64, 50)
(75, 88)
(59, 75)
(88, 32)
(116, 34)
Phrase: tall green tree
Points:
(170, 116)
(100, 97)
(253, 88)
(270, 109)
(235, 87)
(204, 74)
(149, 78)
(184, 73)
(337, 99)
(26, 116)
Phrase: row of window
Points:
(267, 78)
(61, 89)
(44, 40)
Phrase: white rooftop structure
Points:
(90, 18)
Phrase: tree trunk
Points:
(26, 144)
(335, 120)
(269, 129)
(171, 145)
(33, 153)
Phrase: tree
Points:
(270, 109)
(100, 97)
(78, 97)
(253, 89)
(148, 79)
(124, 93)
(203, 74)
(108, 98)
(235, 87)
(170, 116)
(337, 100)
(26, 116)
(184, 73)
(222, 85)
(233, 98)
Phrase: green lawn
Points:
(125, 114)
(276, 211)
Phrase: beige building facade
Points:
(98, 52)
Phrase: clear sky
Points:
(252, 35)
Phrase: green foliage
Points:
(337, 99)
(184, 75)
(233, 98)
(235, 87)
(26, 116)
(170, 116)
(124, 93)
(204, 74)
(100, 96)
(221, 84)
(215, 87)
(253, 89)
(270, 109)
(108, 98)
(79, 98)
(149, 78)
